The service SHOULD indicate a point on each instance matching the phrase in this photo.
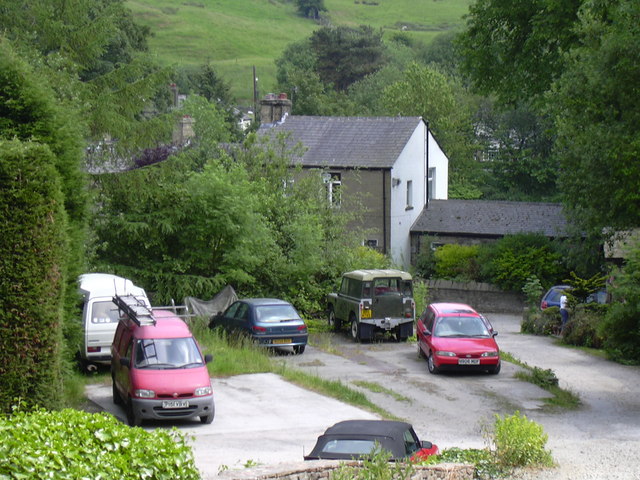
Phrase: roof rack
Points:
(134, 309)
(181, 311)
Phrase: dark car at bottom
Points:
(356, 439)
(270, 322)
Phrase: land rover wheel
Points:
(334, 323)
(355, 329)
(132, 419)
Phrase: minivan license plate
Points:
(175, 404)
(468, 361)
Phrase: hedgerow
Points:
(72, 444)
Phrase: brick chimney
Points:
(273, 108)
(183, 131)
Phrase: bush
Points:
(457, 262)
(582, 329)
(541, 322)
(520, 442)
(511, 261)
(71, 444)
(375, 466)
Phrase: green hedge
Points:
(72, 444)
(33, 254)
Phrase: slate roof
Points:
(490, 218)
(347, 142)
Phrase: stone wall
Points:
(322, 470)
(483, 297)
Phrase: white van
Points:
(100, 315)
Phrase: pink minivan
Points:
(157, 368)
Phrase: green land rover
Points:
(371, 301)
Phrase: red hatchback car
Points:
(454, 336)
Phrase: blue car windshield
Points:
(167, 353)
(276, 313)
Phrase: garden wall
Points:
(483, 297)
(322, 470)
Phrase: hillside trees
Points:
(310, 8)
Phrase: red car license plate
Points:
(468, 361)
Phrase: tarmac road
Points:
(262, 419)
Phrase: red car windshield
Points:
(461, 327)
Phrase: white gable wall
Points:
(412, 165)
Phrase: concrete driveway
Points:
(260, 419)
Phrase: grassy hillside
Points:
(236, 35)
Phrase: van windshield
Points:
(166, 353)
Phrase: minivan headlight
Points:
(141, 393)
(202, 391)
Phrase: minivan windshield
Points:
(166, 353)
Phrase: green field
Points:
(237, 35)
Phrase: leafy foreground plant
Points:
(375, 467)
(520, 442)
(71, 444)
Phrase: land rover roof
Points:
(368, 275)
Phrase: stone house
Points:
(386, 167)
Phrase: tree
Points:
(515, 50)
(518, 141)
(597, 111)
(345, 55)
(311, 8)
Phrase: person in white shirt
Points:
(564, 313)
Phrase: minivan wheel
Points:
(117, 400)
(132, 419)
(355, 330)
(431, 365)
(208, 419)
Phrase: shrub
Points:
(71, 444)
(520, 442)
(512, 260)
(457, 262)
(583, 326)
(541, 322)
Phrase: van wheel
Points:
(298, 349)
(355, 330)
(334, 323)
(132, 419)
(117, 399)
(208, 419)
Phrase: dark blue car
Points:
(269, 321)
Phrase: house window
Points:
(435, 245)
(333, 183)
(409, 194)
(371, 243)
(431, 183)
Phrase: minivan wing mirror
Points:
(208, 358)
(125, 362)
